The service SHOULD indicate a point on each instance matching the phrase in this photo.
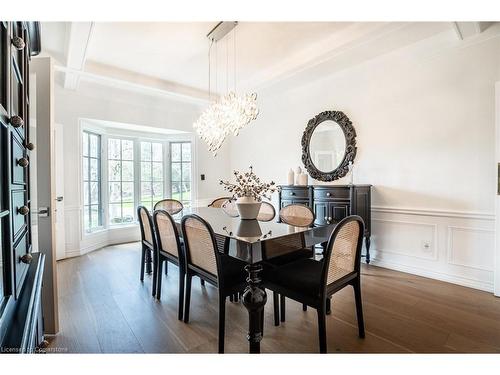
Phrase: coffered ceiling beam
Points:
(466, 30)
(79, 37)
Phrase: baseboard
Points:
(463, 281)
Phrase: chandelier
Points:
(231, 112)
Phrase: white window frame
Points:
(106, 133)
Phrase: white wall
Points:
(101, 102)
(425, 122)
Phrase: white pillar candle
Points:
(290, 177)
(303, 179)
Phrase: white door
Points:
(497, 198)
(59, 201)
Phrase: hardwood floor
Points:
(104, 308)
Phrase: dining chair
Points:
(172, 206)
(148, 245)
(204, 260)
(230, 208)
(311, 282)
(266, 212)
(170, 249)
(217, 203)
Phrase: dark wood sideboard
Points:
(332, 203)
(21, 272)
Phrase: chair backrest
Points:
(146, 224)
(200, 244)
(167, 234)
(217, 203)
(266, 212)
(230, 208)
(343, 252)
(297, 215)
(172, 206)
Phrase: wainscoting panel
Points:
(452, 246)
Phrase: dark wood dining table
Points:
(248, 238)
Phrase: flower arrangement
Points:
(249, 185)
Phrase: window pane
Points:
(127, 150)
(94, 193)
(128, 192)
(147, 204)
(95, 217)
(176, 151)
(157, 171)
(145, 171)
(158, 190)
(146, 191)
(114, 170)
(128, 212)
(146, 151)
(85, 169)
(113, 148)
(94, 169)
(157, 152)
(186, 191)
(85, 145)
(176, 190)
(127, 171)
(186, 171)
(94, 145)
(115, 213)
(115, 192)
(86, 193)
(186, 152)
(176, 172)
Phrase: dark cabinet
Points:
(333, 203)
(21, 320)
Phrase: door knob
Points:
(23, 210)
(26, 258)
(23, 162)
(16, 121)
(18, 42)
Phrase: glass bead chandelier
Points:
(229, 113)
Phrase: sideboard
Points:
(332, 203)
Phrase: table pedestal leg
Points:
(254, 300)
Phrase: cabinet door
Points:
(337, 211)
(321, 212)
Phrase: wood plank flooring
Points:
(104, 308)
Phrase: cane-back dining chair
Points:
(170, 249)
(204, 260)
(311, 282)
(172, 206)
(266, 212)
(148, 245)
(217, 203)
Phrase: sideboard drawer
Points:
(20, 211)
(331, 193)
(295, 193)
(19, 161)
(21, 249)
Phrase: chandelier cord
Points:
(234, 58)
(209, 65)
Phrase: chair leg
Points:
(143, 261)
(304, 307)
(328, 305)
(359, 308)
(282, 307)
(166, 268)
(222, 322)
(276, 308)
(262, 320)
(155, 274)
(148, 259)
(202, 282)
(322, 329)
(182, 278)
(188, 298)
(160, 277)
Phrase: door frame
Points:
(496, 285)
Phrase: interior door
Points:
(497, 198)
(59, 200)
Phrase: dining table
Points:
(248, 243)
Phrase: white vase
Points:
(291, 177)
(248, 208)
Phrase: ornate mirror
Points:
(328, 145)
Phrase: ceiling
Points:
(173, 57)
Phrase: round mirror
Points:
(327, 146)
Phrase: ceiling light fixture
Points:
(231, 112)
